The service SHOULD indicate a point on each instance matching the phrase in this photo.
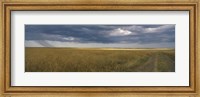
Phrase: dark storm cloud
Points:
(142, 34)
(62, 32)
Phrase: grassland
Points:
(99, 60)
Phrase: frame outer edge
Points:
(102, 1)
(2, 30)
(197, 56)
(1, 47)
(198, 50)
(7, 20)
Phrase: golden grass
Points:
(98, 60)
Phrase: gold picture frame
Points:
(49, 5)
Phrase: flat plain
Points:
(98, 60)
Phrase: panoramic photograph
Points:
(100, 48)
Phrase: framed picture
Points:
(100, 48)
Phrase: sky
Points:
(101, 36)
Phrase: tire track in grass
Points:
(148, 66)
(168, 64)
(156, 63)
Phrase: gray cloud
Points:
(100, 34)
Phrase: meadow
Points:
(99, 60)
